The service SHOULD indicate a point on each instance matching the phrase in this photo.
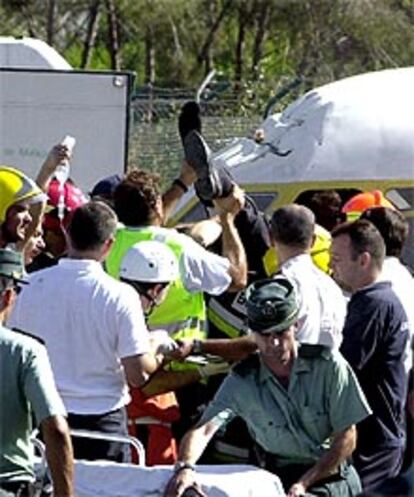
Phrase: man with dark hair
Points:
(374, 342)
(27, 388)
(94, 331)
(326, 205)
(141, 208)
(300, 403)
(321, 303)
(92, 226)
(394, 227)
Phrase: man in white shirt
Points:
(322, 307)
(94, 329)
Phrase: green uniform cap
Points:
(271, 305)
(11, 265)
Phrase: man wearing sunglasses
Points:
(300, 403)
(27, 388)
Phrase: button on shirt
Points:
(323, 398)
(322, 306)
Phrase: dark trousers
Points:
(114, 422)
(377, 467)
(344, 483)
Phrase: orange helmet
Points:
(363, 201)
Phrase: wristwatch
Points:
(180, 465)
(197, 348)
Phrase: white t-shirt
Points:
(201, 270)
(322, 306)
(403, 285)
(89, 321)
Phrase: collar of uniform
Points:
(300, 366)
(297, 259)
(67, 263)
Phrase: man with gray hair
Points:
(322, 306)
(300, 403)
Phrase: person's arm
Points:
(56, 156)
(59, 454)
(361, 332)
(230, 349)
(177, 189)
(192, 446)
(343, 445)
(167, 381)
(139, 368)
(227, 208)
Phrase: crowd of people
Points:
(108, 316)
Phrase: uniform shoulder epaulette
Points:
(246, 366)
(26, 334)
(308, 351)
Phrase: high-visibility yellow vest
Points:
(181, 313)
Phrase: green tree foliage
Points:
(259, 46)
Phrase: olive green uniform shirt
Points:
(295, 423)
(26, 386)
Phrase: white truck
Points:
(43, 99)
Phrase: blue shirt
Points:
(374, 343)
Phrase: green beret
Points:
(11, 265)
(271, 305)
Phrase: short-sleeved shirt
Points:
(322, 306)
(26, 386)
(89, 321)
(374, 343)
(402, 283)
(295, 424)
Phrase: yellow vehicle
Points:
(353, 135)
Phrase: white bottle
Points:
(62, 172)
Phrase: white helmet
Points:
(149, 261)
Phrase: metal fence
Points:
(154, 140)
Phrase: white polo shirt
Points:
(322, 306)
(403, 285)
(89, 321)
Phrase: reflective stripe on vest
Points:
(182, 313)
(224, 320)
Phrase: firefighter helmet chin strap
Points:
(144, 293)
(152, 304)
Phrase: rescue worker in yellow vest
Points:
(142, 211)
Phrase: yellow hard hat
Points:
(16, 187)
(319, 252)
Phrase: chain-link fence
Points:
(154, 140)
